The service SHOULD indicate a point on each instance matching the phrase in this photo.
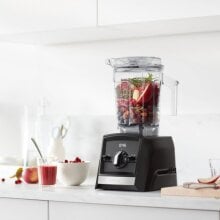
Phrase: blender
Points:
(138, 82)
(137, 158)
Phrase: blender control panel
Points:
(119, 156)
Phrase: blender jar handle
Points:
(172, 84)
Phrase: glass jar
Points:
(30, 171)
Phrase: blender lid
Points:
(131, 62)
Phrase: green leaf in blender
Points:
(149, 78)
(138, 81)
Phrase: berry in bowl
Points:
(72, 172)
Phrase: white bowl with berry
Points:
(72, 172)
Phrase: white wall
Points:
(77, 82)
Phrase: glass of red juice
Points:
(47, 171)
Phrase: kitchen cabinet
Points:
(23, 209)
(36, 16)
(133, 11)
(29, 201)
(69, 211)
(54, 21)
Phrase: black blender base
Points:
(130, 162)
(160, 182)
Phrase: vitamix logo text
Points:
(122, 145)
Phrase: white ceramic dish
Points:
(72, 174)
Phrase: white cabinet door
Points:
(45, 15)
(70, 211)
(130, 11)
(22, 209)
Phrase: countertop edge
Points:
(88, 195)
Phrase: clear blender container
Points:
(138, 82)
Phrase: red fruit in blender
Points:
(123, 103)
(126, 115)
(132, 102)
(146, 94)
(123, 109)
(124, 85)
(144, 114)
(156, 93)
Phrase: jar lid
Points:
(135, 62)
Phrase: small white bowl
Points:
(72, 174)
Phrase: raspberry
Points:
(18, 181)
(77, 160)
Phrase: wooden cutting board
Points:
(180, 191)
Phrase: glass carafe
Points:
(138, 82)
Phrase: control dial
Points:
(120, 159)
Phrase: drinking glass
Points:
(214, 167)
(47, 171)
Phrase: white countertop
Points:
(87, 194)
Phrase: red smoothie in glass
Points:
(48, 174)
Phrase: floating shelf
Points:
(119, 31)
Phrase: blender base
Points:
(135, 163)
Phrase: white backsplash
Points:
(77, 82)
(196, 139)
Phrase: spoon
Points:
(38, 149)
